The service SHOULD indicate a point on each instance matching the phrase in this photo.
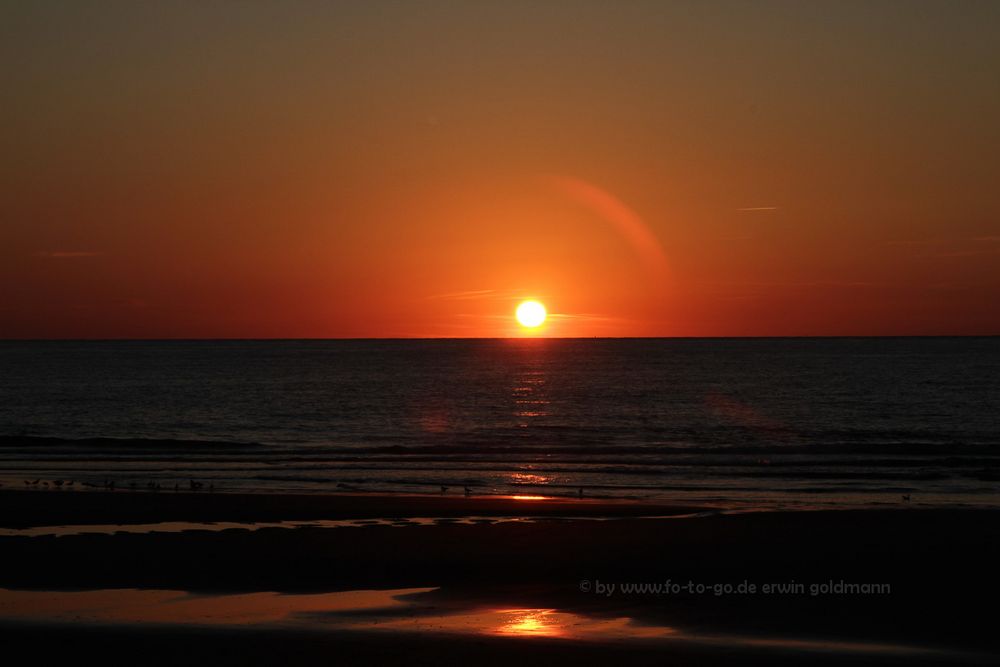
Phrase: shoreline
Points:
(30, 508)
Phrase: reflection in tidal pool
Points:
(354, 610)
(374, 611)
(526, 623)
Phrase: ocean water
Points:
(805, 422)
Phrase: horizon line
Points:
(481, 338)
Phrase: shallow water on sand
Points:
(219, 526)
(396, 611)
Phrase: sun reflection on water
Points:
(524, 623)
(529, 623)
(528, 478)
(529, 397)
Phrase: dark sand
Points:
(940, 566)
(20, 509)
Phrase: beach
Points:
(585, 578)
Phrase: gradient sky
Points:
(374, 169)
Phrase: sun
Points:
(531, 314)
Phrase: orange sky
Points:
(416, 169)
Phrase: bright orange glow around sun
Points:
(531, 314)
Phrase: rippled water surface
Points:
(732, 421)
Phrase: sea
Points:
(775, 423)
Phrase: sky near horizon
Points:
(393, 169)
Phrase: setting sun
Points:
(531, 314)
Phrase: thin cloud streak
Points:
(576, 317)
(960, 253)
(464, 296)
(497, 295)
(583, 317)
(940, 242)
(939, 248)
(67, 254)
(806, 283)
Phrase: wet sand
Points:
(938, 567)
(20, 509)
